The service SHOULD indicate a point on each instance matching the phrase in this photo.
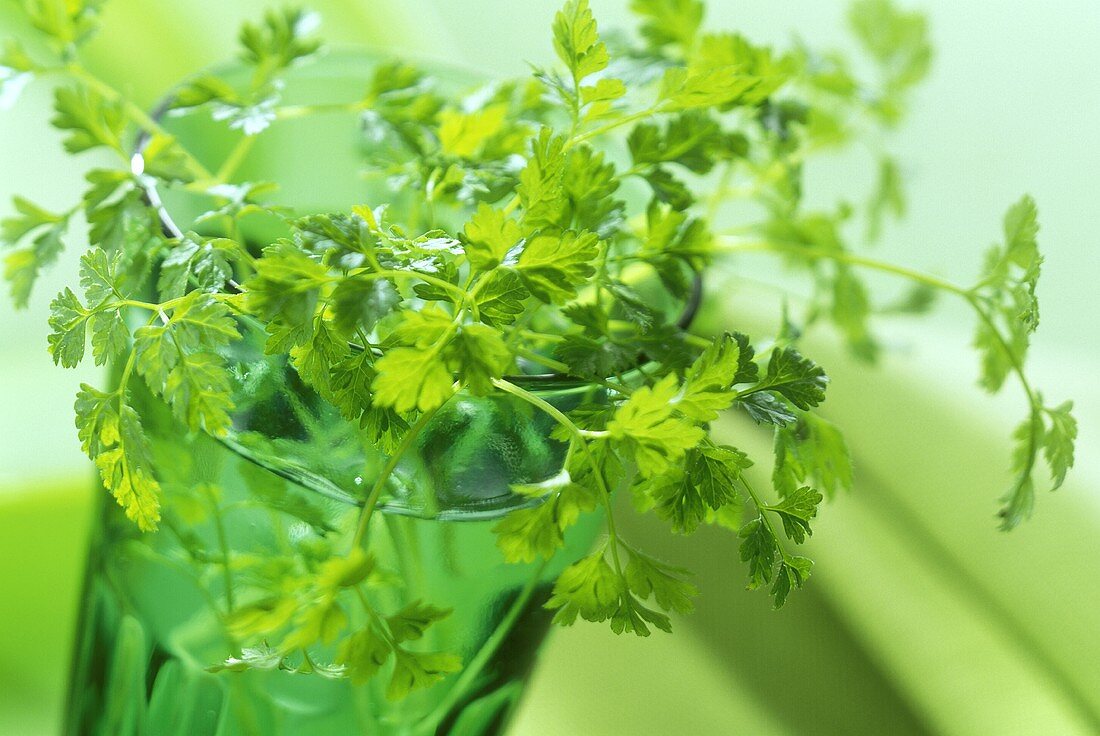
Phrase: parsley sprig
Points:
(555, 224)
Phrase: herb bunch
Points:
(532, 221)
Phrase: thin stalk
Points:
(794, 249)
(579, 438)
(223, 544)
(293, 112)
(1034, 404)
(484, 655)
(613, 125)
(384, 475)
(534, 357)
(235, 158)
(762, 513)
(968, 295)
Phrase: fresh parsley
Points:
(558, 224)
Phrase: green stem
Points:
(384, 475)
(613, 125)
(293, 112)
(511, 206)
(543, 336)
(484, 655)
(767, 246)
(795, 249)
(235, 158)
(968, 295)
(223, 544)
(534, 357)
(1034, 404)
(579, 438)
(761, 511)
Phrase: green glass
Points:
(286, 486)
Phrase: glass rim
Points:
(550, 380)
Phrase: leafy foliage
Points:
(45, 231)
(559, 223)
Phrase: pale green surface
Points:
(891, 637)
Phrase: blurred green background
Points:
(920, 618)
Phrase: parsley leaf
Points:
(647, 576)
(465, 134)
(796, 511)
(22, 267)
(500, 298)
(553, 266)
(201, 262)
(282, 39)
(577, 40)
(797, 379)
(708, 381)
(711, 473)
(1059, 441)
(478, 354)
(527, 534)
(590, 589)
(180, 361)
(1008, 288)
(415, 671)
(91, 120)
(412, 378)
(69, 325)
(540, 189)
(113, 437)
(359, 304)
(645, 427)
(489, 236)
(363, 654)
(69, 23)
(793, 573)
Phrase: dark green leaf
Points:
(797, 379)
(196, 262)
(759, 548)
(358, 304)
(793, 573)
(796, 511)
